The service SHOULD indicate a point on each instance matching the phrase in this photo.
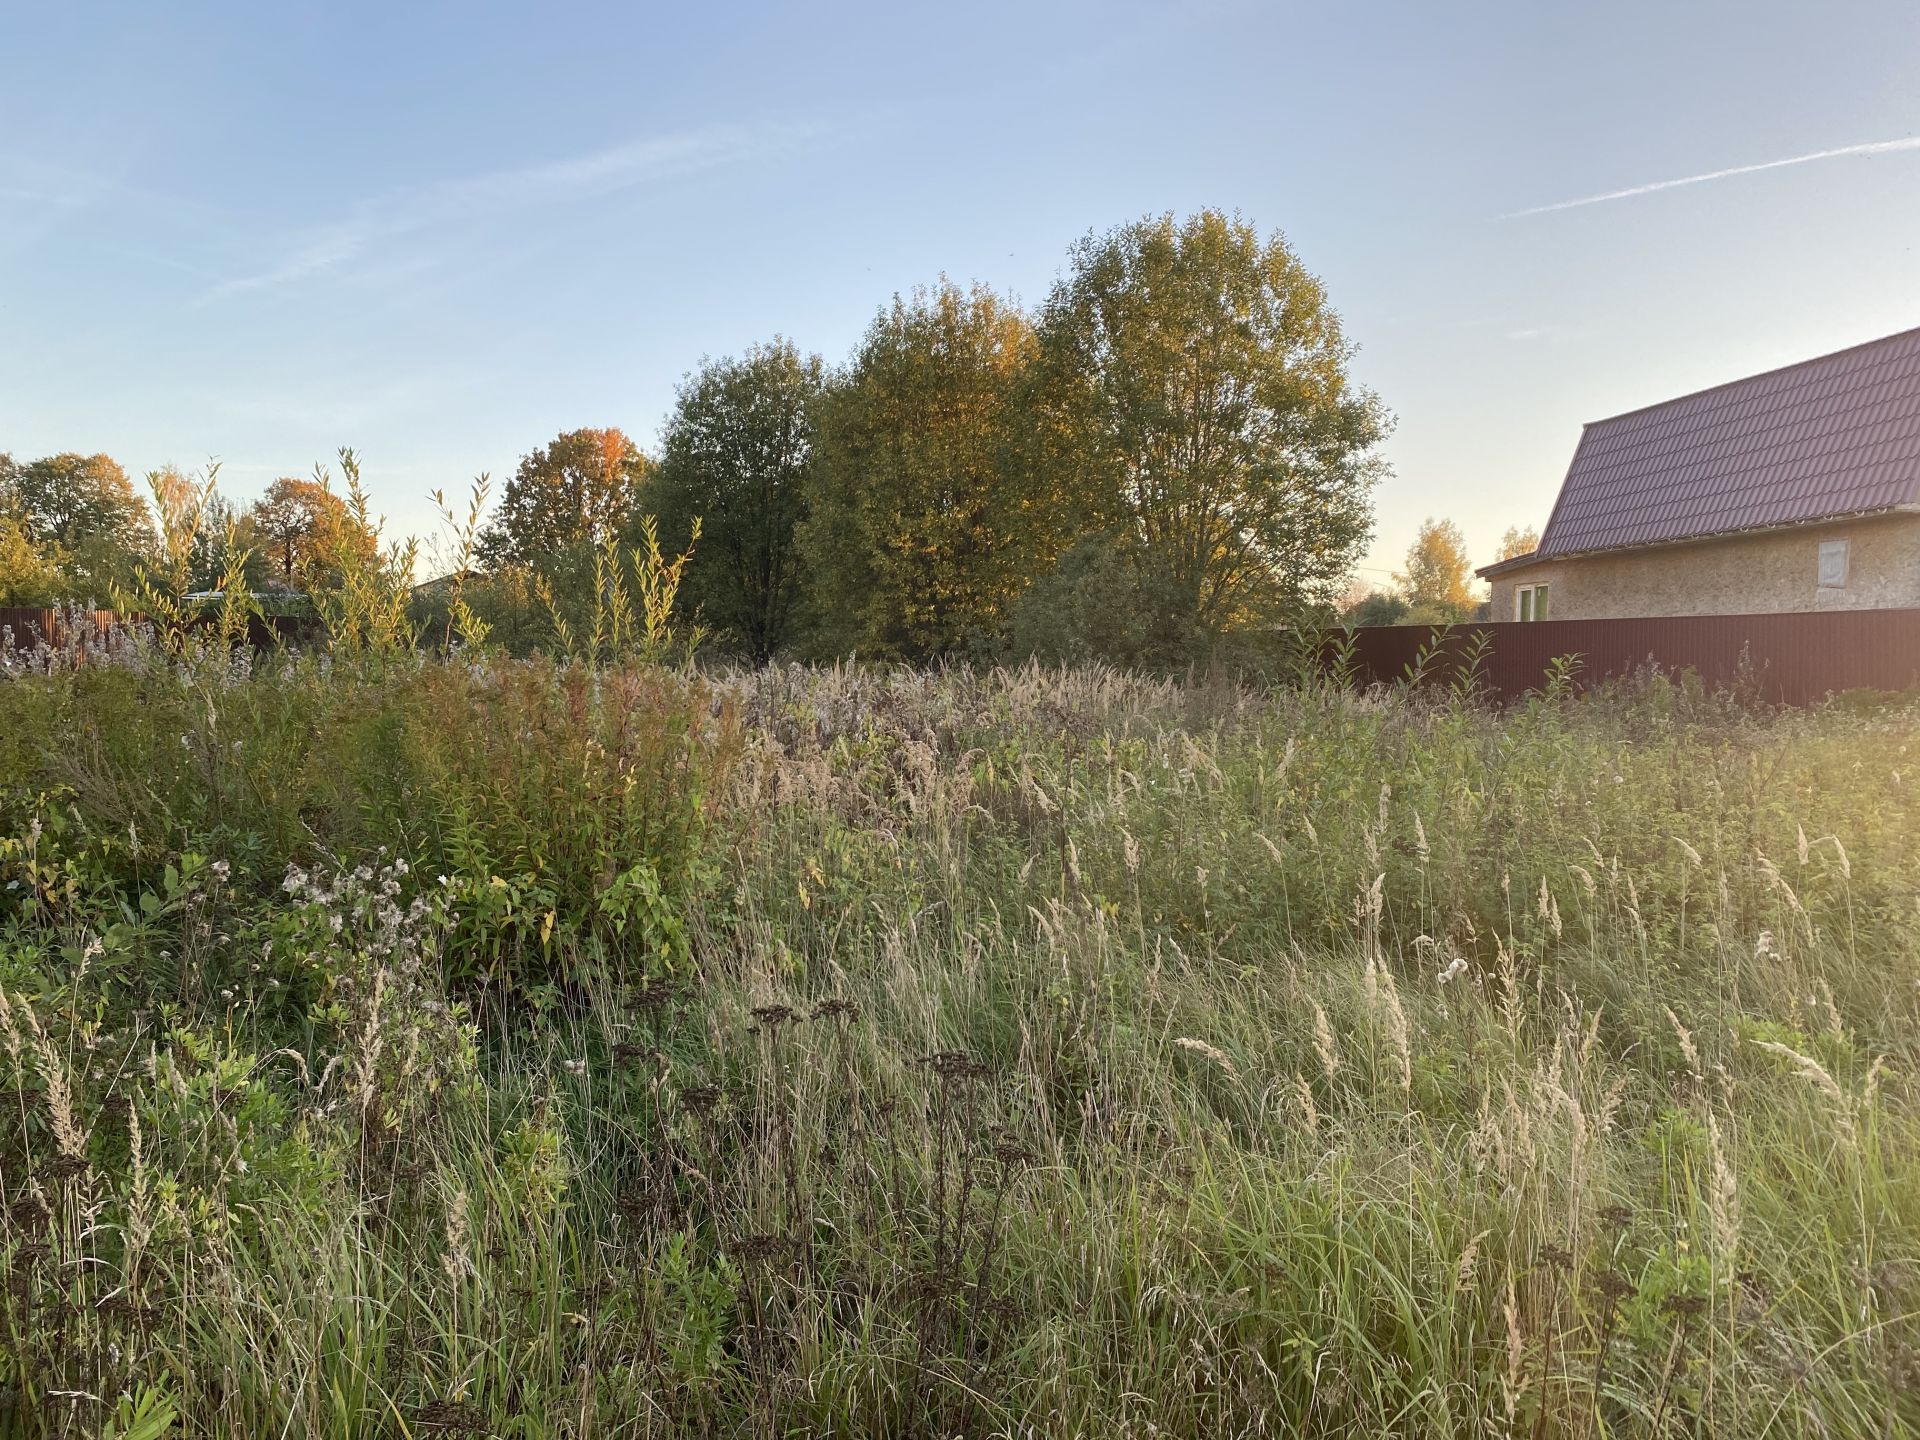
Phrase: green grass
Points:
(397, 1046)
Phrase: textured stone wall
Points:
(1742, 575)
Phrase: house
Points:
(1797, 489)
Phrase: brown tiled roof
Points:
(1837, 435)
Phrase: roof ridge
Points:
(1908, 333)
(1828, 435)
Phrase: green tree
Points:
(923, 527)
(1438, 582)
(737, 457)
(222, 532)
(1376, 607)
(304, 532)
(1192, 391)
(571, 495)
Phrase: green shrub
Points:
(1106, 601)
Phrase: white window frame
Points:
(1840, 552)
(1533, 602)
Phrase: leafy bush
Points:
(1106, 601)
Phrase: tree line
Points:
(74, 528)
(1437, 586)
(1170, 454)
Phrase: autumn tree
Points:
(1192, 392)
(27, 575)
(924, 525)
(1437, 583)
(1517, 542)
(68, 499)
(305, 532)
(574, 493)
(82, 516)
(737, 456)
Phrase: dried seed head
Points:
(1469, 1261)
(1309, 1112)
(1612, 1286)
(1323, 1043)
(452, 1417)
(1685, 1307)
(930, 1286)
(63, 1167)
(1202, 1048)
(955, 1065)
(654, 993)
(1011, 1153)
(761, 1249)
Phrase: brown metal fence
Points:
(31, 625)
(1789, 659)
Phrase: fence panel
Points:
(1794, 659)
(31, 624)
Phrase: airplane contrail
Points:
(1876, 147)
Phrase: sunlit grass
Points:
(1023, 1053)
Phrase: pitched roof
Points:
(1836, 435)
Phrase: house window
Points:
(1530, 602)
(1833, 564)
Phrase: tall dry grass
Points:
(994, 1053)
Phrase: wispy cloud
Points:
(448, 203)
(46, 183)
(1877, 147)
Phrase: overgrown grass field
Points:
(398, 1046)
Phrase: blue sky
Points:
(443, 232)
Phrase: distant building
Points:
(1798, 489)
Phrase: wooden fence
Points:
(1794, 659)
